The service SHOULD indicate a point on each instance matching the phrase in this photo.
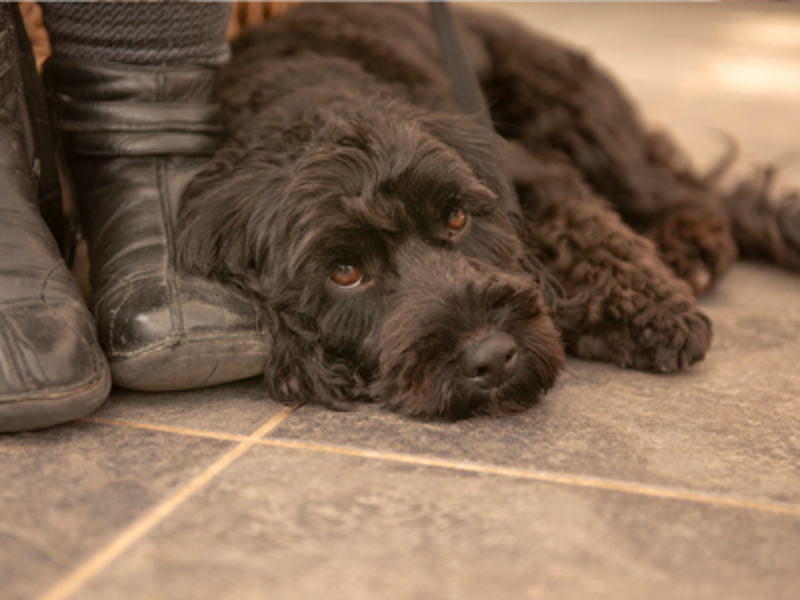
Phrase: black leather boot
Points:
(133, 136)
(52, 369)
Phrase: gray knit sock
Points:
(142, 33)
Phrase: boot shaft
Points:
(25, 112)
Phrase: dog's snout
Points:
(491, 361)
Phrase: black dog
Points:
(378, 230)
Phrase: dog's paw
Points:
(697, 245)
(669, 342)
(660, 339)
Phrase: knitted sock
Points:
(141, 33)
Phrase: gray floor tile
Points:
(729, 425)
(762, 287)
(237, 407)
(67, 491)
(286, 524)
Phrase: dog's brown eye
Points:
(456, 220)
(347, 276)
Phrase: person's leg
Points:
(133, 92)
(51, 367)
(139, 33)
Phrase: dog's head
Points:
(384, 251)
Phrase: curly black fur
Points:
(345, 147)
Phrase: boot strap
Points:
(103, 109)
(138, 128)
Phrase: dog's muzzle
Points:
(460, 337)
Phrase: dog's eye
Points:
(456, 220)
(347, 276)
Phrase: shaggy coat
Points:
(379, 232)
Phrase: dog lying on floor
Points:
(379, 233)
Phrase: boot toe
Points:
(52, 369)
(163, 334)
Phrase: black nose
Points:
(491, 361)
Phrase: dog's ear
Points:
(478, 146)
(297, 369)
(221, 232)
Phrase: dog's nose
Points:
(491, 361)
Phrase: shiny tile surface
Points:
(70, 490)
(618, 485)
(352, 528)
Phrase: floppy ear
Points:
(223, 234)
(220, 226)
(297, 369)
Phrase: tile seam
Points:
(95, 564)
(510, 472)
(547, 477)
(176, 429)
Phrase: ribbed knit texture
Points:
(141, 33)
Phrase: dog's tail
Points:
(723, 164)
(765, 222)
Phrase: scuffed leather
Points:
(133, 138)
(51, 368)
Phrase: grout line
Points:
(547, 477)
(214, 435)
(543, 476)
(147, 522)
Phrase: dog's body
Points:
(379, 232)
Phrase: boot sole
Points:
(181, 364)
(54, 407)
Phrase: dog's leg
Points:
(693, 233)
(623, 304)
(547, 96)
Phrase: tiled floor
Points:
(619, 485)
